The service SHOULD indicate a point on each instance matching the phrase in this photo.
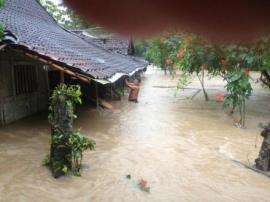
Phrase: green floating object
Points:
(142, 184)
(144, 189)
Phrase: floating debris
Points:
(219, 97)
(143, 185)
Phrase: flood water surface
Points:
(186, 149)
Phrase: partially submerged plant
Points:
(67, 145)
(263, 160)
(143, 185)
(239, 89)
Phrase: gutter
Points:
(117, 76)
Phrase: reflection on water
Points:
(183, 148)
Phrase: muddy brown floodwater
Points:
(184, 147)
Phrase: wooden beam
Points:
(56, 66)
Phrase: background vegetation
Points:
(65, 16)
(194, 55)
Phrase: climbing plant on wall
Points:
(67, 144)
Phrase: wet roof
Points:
(107, 41)
(37, 31)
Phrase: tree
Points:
(160, 50)
(263, 160)
(193, 54)
(67, 145)
(65, 16)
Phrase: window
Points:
(25, 79)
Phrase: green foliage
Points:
(65, 16)
(140, 47)
(1, 31)
(155, 53)
(238, 86)
(192, 54)
(67, 145)
(78, 144)
(183, 80)
(2, 3)
(70, 94)
(46, 160)
(239, 89)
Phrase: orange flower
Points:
(219, 97)
(180, 53)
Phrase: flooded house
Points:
(37, 54)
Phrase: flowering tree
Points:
(192, 54)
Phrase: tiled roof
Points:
(109, 42)
(114, 44)
(36, 30)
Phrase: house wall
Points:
(14, 107)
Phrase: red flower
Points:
(219, 97)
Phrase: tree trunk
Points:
(242, 110)
(263, 161)
(265, 78)
(60, 153)
(165, 71)
(203, 87)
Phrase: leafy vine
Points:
(67, 145)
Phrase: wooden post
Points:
(111, 89)
(97, 98)
(263, 161)
(47, 80)
(62, 77)
(123, 87)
